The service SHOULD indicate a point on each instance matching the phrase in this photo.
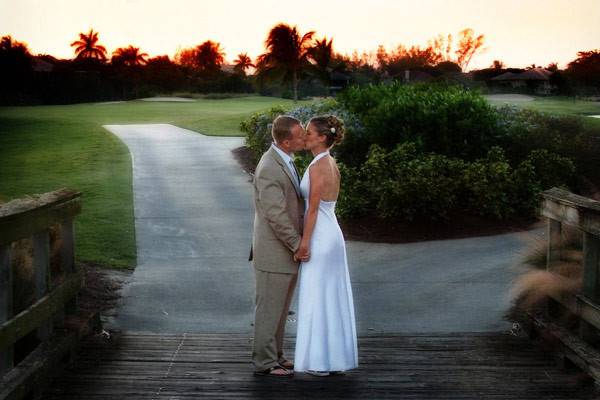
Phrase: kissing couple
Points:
(296, 233)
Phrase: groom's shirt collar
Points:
(289, 161)
(286, 157)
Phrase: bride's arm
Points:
(316, 187)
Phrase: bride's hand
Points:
(303, 253)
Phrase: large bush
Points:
(523, 131)
(436, 152)
(444, 119)
(404, 185)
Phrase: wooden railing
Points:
(32, 218)
(564, 208)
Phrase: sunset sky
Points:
(518, 32)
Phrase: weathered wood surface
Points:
(572, 209)
(586, 357)
(32, 217)
(211, 366)
(554, 235)
(21, 218)
(563, 207)
(37, 369)
(580, 306)
(43, 309)
(6, 304)
(591, 266)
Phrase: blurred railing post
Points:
(565, 208)
(6, 304)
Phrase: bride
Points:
(326, 335)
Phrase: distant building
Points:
(536, 80)
(412, 76)
(339, 81)
(229, 68)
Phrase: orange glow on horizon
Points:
(518, 33)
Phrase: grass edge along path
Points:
(43, 148)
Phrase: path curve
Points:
(193, 219)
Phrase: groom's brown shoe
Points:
(276, 372)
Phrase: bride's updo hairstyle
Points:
(330, 126)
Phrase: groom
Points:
(276, 239)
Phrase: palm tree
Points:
(87, 46)
(322, 56)
(129, 56)
(243, 62)
(209, 56)
(286, 56)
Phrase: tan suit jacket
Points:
(278, 218)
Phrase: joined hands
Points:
(303, 252)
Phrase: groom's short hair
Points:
(282, 127)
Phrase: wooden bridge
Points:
(203, 366)
(157, 366)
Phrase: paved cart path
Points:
(193, 219)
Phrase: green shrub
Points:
(525, 190)
(355, 198)
(444, 119)
(551, 169)
(405, 185)
(409, 185)
(258, 130)
(524, 131)
(401, 161)
(488, 185)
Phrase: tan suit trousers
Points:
(274, 292)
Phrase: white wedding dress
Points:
(326, 335)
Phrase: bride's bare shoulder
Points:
(323, 165)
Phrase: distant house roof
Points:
(228, 68)
(534, 74)
(539, 74)
(507, 76)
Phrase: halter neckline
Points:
(320, 155)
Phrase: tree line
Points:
(293, 64)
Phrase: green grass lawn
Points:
(44, 148)
(561, 105)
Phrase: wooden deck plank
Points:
(217, 366)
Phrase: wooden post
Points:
(68, 258)
(68, 249)
(41, 263)
(554, 232)
(591, 266)
(591, 279)
(6, 305)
